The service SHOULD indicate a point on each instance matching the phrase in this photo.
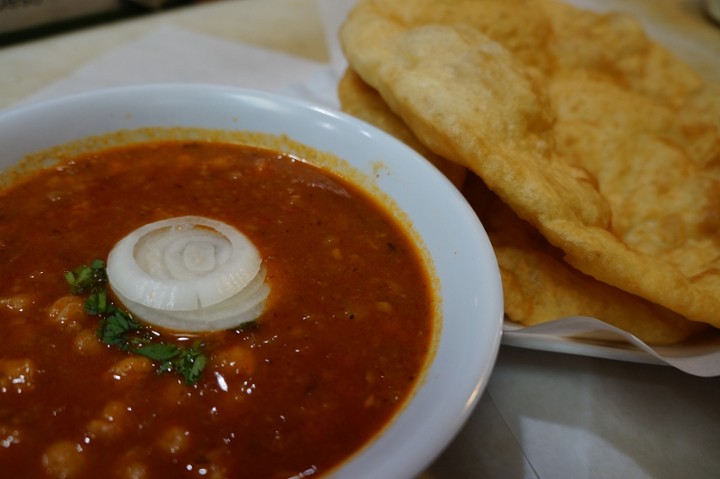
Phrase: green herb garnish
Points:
(86, 279)
(118, 328)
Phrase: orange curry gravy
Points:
(343, 339)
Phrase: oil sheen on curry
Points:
(201, 309)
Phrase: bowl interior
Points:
(462, 257)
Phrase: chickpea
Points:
(174, 440)
(17, 375)
(18, 302)
(112, 422)
(63, 460)
(131, 368)
(235, 360)
(233, 366)
(175, 392)
(68, 313)
(87, 343)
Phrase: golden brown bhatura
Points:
(597, 137)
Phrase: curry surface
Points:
(339, 348)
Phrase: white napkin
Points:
(174, 55)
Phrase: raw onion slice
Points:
(189, 273)
(244, 307)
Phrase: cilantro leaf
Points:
(115, 327)
(158, 351)
(96, 303)
(120, 329)
(191, 363)
(85, 278)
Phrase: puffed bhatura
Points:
(598, 139)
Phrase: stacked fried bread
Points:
(593, 153)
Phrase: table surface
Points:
(543, 415)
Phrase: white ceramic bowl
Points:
(462, 256)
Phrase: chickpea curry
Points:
(339, 345)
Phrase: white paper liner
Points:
(699, 356)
